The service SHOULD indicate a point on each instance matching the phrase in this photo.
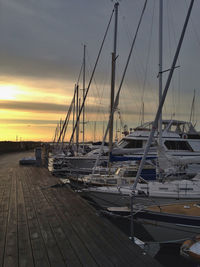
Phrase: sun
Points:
(8, 92)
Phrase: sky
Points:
(41, 54)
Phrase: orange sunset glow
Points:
(32, 112)
(22, 113)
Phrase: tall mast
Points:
(160, 67)
(74, 110)
(155, 123)
(84, 95)
(112, 95)
(160, 76)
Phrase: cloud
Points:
(28, 122)
(39, 107)
(42, 107)
(32, 106)
(45, 39)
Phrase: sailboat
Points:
(70, 160)
(167, 222)
(171, 223)
(160, 207)
(83, 164)
(172, 139)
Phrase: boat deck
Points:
(191, 208)
(43, 224)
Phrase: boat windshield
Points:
(175, 126)
(177, 145)
(128, 143)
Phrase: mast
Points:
(116, 126)
(154, 126)
(60, 126)
(112, 94)
(160, 66)
(84, 95)
(74, 110)
(192, 108)
(103, 129)
(142, 115)
(91, 78)
(77, 112)
(160, 74)
(120, 86)
(94, 137)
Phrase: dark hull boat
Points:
(166, 223)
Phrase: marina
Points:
(101, 169)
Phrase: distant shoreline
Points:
(10, 146)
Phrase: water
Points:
(167, 256)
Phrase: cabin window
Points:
(178, 145)
(124, 181)
(112, 181)
(163, 188)
(133, 144)
(130, 173)
(100, 180)
(186, 189)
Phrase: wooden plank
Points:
(39, 252)
(11, 248)
(81, 251)
(25, 255)
(82, 220)
(121, 245)
(4, 204)
(96, 250)
(65, 223)
(87, 226)
(42, 211)
(71, 256)
(124, 250)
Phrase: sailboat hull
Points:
(165, 223)
(169, 227)
(168, 232)
(117, 199)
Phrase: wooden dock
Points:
(43, 226)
